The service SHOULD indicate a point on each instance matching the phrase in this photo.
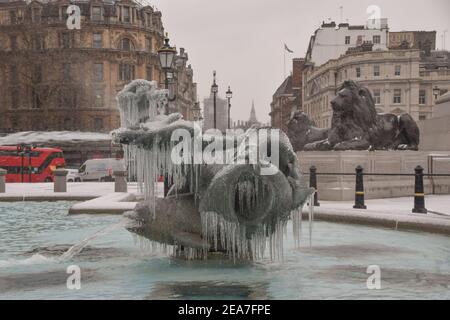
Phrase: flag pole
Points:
(284, 64)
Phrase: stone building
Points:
(400, 81)
(53, 78)
(331, 41)
(183, 89)
(422, 40)
(288, 97)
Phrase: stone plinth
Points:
(2, 180)
(120, 181)
(60, 184)
(343, 187)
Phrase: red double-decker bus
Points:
(28, 164)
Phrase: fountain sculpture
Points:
(230, 207)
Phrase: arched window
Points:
(126, 45)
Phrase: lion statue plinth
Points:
(355, 125)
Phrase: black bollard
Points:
(313, 184)
(419, 193)
(359, 189)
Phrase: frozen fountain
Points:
(237, 206)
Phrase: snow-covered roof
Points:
(30, 137)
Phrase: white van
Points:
(100, 169)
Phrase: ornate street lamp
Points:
(229, 95)
(166, 58)
(214, 90)
(436, 92)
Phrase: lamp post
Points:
(166, 57)
(229, 95)
(214, 90)
(436, 92)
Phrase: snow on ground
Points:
(52, 136)
(393, 213)
(75, 190)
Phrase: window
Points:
(149, 73)
(64, 40)
(376, 71)
(36, 100)
(36, 15)
(397, 96)
(148, 44)
(98, 97)
(97, 40)
(422, 116)
(422, 97)
(13, 42)
(37, 74)
(398, 70)
(96, 14)
(12, 17)
(376, 39)
(98, 123)
(126, 14)
(126, 45)
(347, 39)
(377, 96)
(38, 42)
(126, 72)
(359, 40)
(358, 72)
(98, 72)
(64, 14)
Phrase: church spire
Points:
(253, 114)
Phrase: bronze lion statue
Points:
(356, 125)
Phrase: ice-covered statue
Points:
(232, 194)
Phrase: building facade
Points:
(399, 80)
(331, 41)
(183, 89)
(288, 97)
(422, 40)
(54, 78)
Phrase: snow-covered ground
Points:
(75, 190)
(52, 136)
(393, 213)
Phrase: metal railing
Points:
(419, 191)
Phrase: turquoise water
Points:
(413, 265)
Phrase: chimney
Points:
(297, 69)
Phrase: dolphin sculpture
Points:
(232, 208)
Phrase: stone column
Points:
(2, 180)
(60, 184)
(120, 181)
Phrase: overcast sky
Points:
(243, 39)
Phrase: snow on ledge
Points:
(52, 136)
